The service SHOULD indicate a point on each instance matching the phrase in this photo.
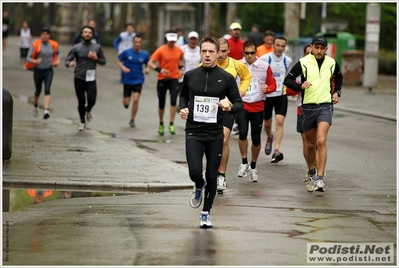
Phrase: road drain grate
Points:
(339, 211)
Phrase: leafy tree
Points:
(271, 16)
(356, 16)
(268, 16)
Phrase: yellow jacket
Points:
(237, 68)
(320, 91)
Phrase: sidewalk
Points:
(57, 156)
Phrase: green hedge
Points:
(387, 65)
(106, 39)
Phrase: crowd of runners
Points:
(220, 86)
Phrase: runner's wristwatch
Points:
(339, 93)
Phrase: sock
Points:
(171, 124)
(319, 177)
(35, 105)
(223, 174)
(245, 161)
(161, 123)
(46, 111)
(312, 171)
(253, 165)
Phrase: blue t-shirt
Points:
(134, 61)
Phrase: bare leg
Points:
(126, 102)
(310, 147)
(279, 130)
(322, 131)
(268, 127)
(4, 44)
(255, 152)
(47, 99)
(172, 113)
(304, 144)
(135, 104)
(161, 113)
(226, 151)
(36, 100)
(243, 145)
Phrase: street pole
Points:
(323, 16)
(370, 75)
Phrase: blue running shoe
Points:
(196, 196)
(205, 220)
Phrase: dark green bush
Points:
(387, 66)
(106, 39)
(387, 62)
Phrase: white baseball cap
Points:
(235, 25)
(193, 34)
(171, 37)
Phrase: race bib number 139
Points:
(205, 109)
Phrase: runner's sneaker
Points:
(196, 196)
(242, 170)
(305, 179)
(131, 123)
(172, 130)
(82, 127)
(161, 130)
(89, 116)
(310, 182)
(277, 156)
(319, 185)
(268, 147)
(205, 220)
(46, 114)
(235, 130)
(221, 184)
(35, 111)
(253, 175)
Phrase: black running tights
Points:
(40, 76)
(82, 88)
(195, 150)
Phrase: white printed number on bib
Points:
(205, 109)
(90, 75)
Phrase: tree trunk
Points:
(153, 33)
(291, 22)
(122, 17)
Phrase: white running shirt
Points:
(280, 66)
(192, 58)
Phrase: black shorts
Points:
(128, 89)
(299, 127)
(279, 103)
(162, 87)
(24, 52)
(228, 119)
(313, 114)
